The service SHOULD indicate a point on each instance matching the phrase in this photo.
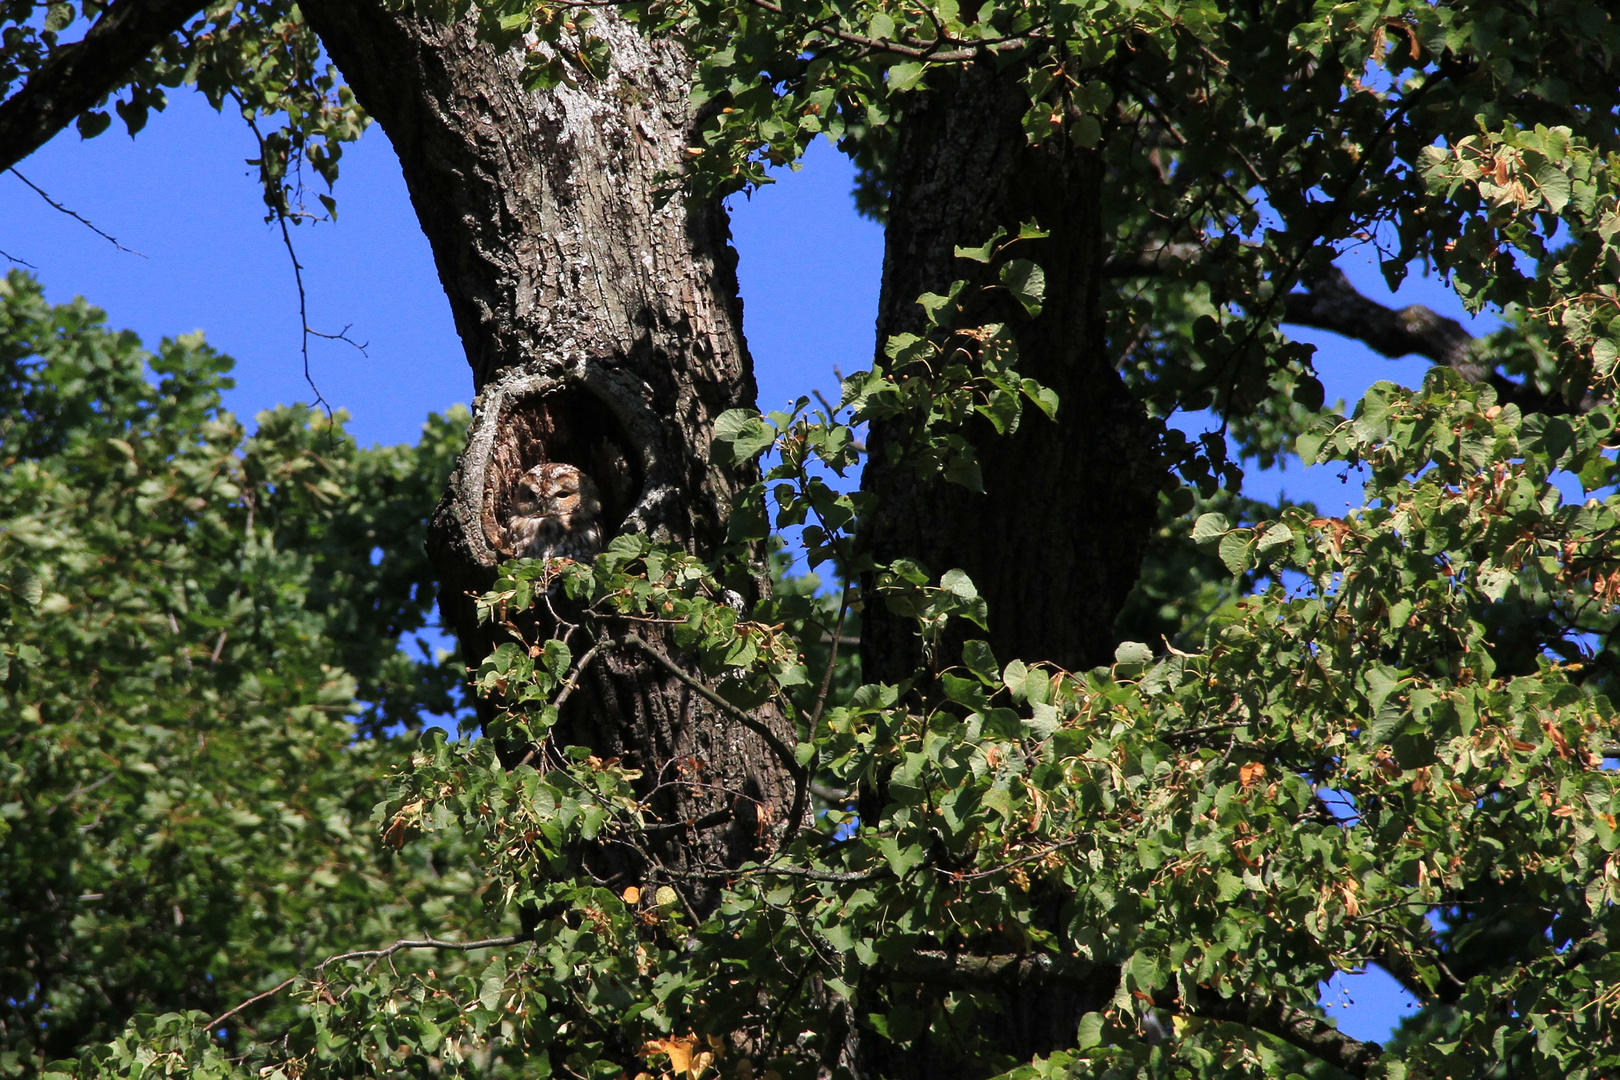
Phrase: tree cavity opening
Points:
(570, 425)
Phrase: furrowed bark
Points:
(1055, 541)
(603, 331)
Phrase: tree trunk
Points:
(603, 331)
(1055, 541)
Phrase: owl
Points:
(556, 513)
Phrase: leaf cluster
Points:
(191, 625)
(1355, 766)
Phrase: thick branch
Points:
(76, 77)
(1332, 303)
(1296, 1027)
(950, 969)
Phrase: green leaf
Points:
(1044, 398)
(1132, 652)
(1014, 677)
(1276, 536)
(906, 76)
(901, 857)
(1237, 551)
(1086, 131)
(1210, 527)
(939, 307)
(1027, 282)
(1553, 185)
(984, 252)
(92, 123)
(744, 433)
(959, 584)
(978, 658)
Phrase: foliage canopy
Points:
(1374, 738)
(192, 624)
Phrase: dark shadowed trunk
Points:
(1055, 541)
(603, 331)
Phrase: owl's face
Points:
(553, 489)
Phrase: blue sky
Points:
(183, 196)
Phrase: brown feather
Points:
(556, 514)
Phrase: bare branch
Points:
(279, 210)
(74, 78)
(373, 954)
(1295, 1027)
(75, 216)
(1332, 303)
(922, 49)
(1151, 262)
(955, 969)
(422, 943)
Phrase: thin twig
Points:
(421, 943)
(375, 954)
(305, 330)
(76, 217)
(832, 658)
(579, 672)
(567, 690)
(256, 998)
(9, 257)
(801, 793)
(88, 788)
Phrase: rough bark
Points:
(77, 76)
(603, 331)
(1055, 541)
